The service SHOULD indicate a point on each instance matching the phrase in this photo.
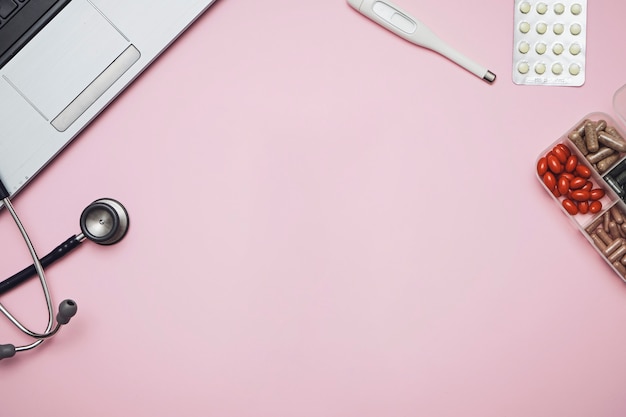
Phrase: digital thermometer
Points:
(404, 25)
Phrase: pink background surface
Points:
(325, 221)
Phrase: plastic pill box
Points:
(585, 173)
(549, 45)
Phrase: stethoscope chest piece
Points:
(105, 221)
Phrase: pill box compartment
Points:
(585, 173)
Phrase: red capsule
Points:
(549, 180)
(570, 206)
(568, 175)
(560, 154)
(565, 149)
(563, 185)
(571, 163)
(595, 207)
(580, 195)
(588, 186)
(554, 164)
(583, 207)
(577, 183)
(596, 194)
(583, 171)
(542, 166)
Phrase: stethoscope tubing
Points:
(57, 253)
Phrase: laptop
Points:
(63, 61)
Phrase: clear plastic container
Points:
(585, 173)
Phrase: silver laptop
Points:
(63, 61)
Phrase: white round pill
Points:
(575, 29)
(523, 47)
(557, 48)
(557, 68)
(576, 9)
(574, 49)
(524, 27)
(540, 48)
(559, 8)
(542, 8)
(523, 67)
(558, 28)
(540, 68)
(524, 7)
(574, 69)
(541, 28)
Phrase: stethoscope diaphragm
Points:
(105, 221)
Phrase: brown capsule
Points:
(613, 132)
(614, 231)
(579, 142)
(604, 236)
(620, 268)
(580, 129)
(601, 154)
(600, 125)
(612, 142)
(598, 242)
(617, 215)
(613, 246)
(591, 137)
(606, 163)
(620, 252)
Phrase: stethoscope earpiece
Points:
(105, 221)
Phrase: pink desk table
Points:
(326, 221)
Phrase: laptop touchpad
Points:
(70, 63)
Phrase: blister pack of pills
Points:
(549, 42)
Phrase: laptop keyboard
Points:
(8, 8)
(20, 20)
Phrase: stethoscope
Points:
(105, 221)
